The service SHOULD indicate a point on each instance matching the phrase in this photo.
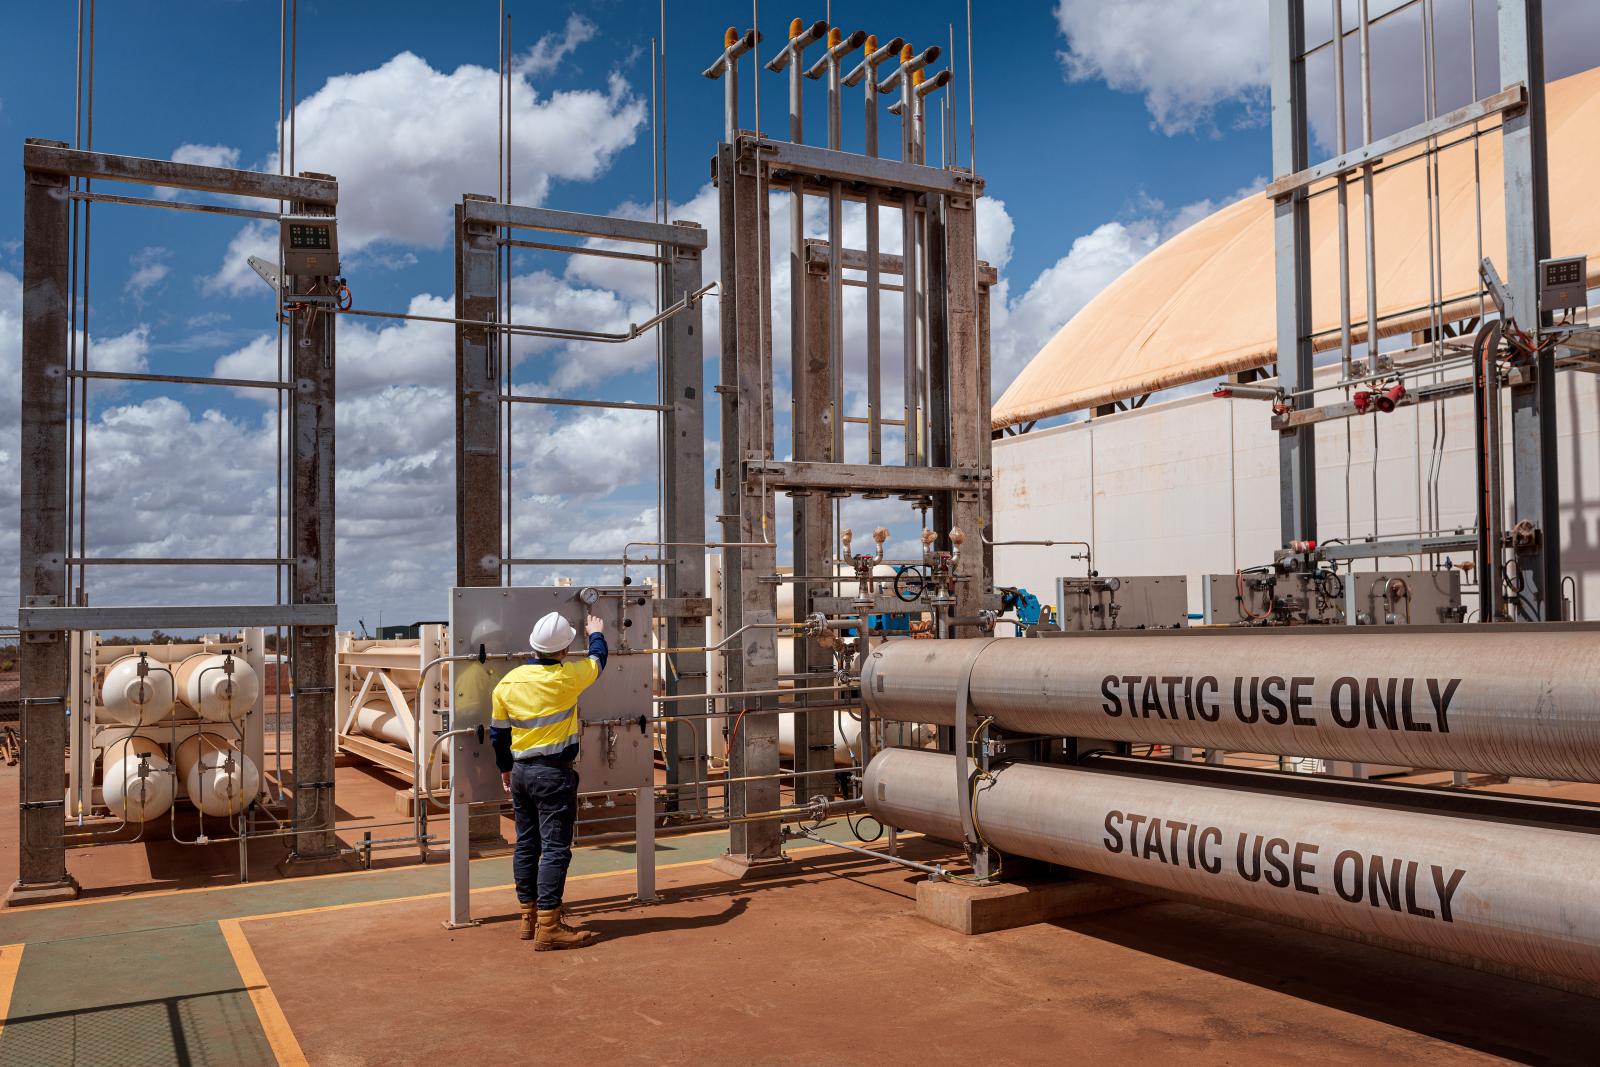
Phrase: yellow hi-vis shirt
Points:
(538, 702)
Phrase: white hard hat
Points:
(551, 634)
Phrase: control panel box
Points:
(1359, 598)
(310, 245)
(616, 750)
(1143, 602)
(1563, 283)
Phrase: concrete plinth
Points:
(22, 895)
(745, 869)
(980, 909)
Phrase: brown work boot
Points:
(551, 933)
(527, 922)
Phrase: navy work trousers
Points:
(544, 799)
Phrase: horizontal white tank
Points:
(131, 700)
(139, 787)
(206, 687)
(377, 718)
(223, 783)
(190, 748)
(847, 734)
(1509, 892)
(135, 745)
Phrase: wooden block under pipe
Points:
(981, 909)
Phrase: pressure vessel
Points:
(130, 700)
(1521, 700)
(137, 788)
(377, 718)
(1519, 894)
(206, 686)
(135, 745)
(189, 750)
(223, 783)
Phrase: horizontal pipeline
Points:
(1521, 700)
(1503, 891)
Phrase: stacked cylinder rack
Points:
(169, 721)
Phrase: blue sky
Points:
(1101, 129)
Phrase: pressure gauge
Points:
(588, 595)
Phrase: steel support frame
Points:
(1297, 457)
(481, 557)
(957, 482)
(1535, 456)
(49, 167)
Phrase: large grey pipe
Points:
(1519, 700)
(1510, 893)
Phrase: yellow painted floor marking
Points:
(280, 1038)
(10, 960)
(29, 909)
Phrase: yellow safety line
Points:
(480, 889)
(10, 960)
(296, 880)
(274, 1026)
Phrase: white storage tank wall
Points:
(1190, 486)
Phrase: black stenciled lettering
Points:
(1250, 872)
(1174, 828)
(1388, 883)
(1277, 712)
(1381, 705)
(1300, 697)
(1405, 708)
(1131, 680)
(1211, 863)
(1209, 712)
(1303, 867)
(1347, 859)
(1255, 706)
(1134, 822)
(1238, 699)
(1411, 893)
(1108, 689)
(1353, 688)
(1152, 698)
(1441, 701)
(1171, 682)
(1188, 697)
(1278, 875)
(1446, 889)
(1113, 838)
(1152, 841)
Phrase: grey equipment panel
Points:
(613, 756)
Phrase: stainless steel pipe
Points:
(1511, 893)
(1515, 700)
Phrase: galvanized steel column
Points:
(43, 655)
(311, 480)
(1535, 457)
(478, 484)
(1297, 462)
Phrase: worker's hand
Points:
(593, 625)
(505, 780)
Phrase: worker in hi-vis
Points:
(535, 732)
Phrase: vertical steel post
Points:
(1535, 460)
(813, 534)
(683, 496)
(43, 655)
(311, 480)
(1297, 467)
(747, 506)
(478, 436)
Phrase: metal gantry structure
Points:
(1519, 562)
(56, 372)
(946, 474)
(486, 402)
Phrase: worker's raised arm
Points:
(598, 648)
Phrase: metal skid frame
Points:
(1519, 108)
(53, 174)
(945, 417)
(485, 402)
